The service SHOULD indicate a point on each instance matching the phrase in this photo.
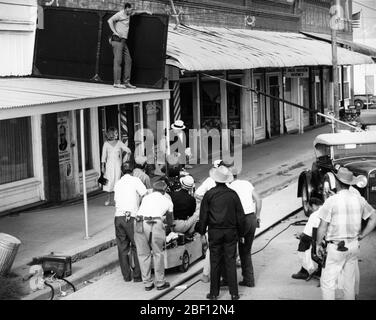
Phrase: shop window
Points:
(346, 83)
(257, 102)
(16, 156)
(288, 97)
(152, 113)
(211, 105)
(87, 133)
(305, 83)
(233, 105)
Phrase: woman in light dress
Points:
(112, 159)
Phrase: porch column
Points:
(196, 103)
(246, 114)
(83, 164)
(300, 101)
(224, 118)
(166, 117)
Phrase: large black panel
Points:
(67, 45)
(148, 43)
(74, 44)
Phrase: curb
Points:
(78, 280)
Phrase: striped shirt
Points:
(344, 212)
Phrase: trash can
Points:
(8, 249)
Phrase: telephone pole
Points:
(335, 22)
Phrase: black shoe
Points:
(246, 284)
(302, 274)
(137, 280)
(235, 297)
(127, 280)
(211, 296)
(223, 283)
(165, 286)
(149, 288)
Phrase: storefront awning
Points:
(209, 48)
(22, 97)
(355, 46)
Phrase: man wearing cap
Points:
(184, 206)
(222, 213)
(139, 171)
(150, 235)
(341, 217)
(128, 190)
(251, 202)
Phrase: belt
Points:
(149, 218)
(338, 241)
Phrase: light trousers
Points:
(341, 269)
(145, 254)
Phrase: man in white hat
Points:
(222, 213)
(184, 206)
(139, 171)
(341, 218)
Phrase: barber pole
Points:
(176, 101)
(123, 124)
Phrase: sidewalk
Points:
(61, 230)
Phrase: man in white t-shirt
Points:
(150, 235)
(128, 191)
(252, 203)
(119, 25)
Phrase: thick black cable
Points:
(70, 283)
(52, 290)
(296, 223)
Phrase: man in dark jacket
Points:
(222, 212)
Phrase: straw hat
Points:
(140, 160)
(187, 182)
(221, 174)
(346, 176)
(178, 124)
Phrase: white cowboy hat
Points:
(221, 174)
(178, 124)
(346, 176)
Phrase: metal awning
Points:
(22, 97)
(355, 46)
(209, 48)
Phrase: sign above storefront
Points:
(297, 72)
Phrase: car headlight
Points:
(362, 181)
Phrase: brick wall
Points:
(274, 16)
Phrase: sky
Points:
(367, 33)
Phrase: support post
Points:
(83, 164)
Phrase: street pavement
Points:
(274, 265)
(112, 287)
(270, 166)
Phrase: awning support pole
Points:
(83, 165)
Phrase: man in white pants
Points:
(341, 217)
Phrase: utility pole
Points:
(334, 24)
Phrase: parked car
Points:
(353, 150)
(361, 101)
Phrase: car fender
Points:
(304, 177)
(331, 179)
